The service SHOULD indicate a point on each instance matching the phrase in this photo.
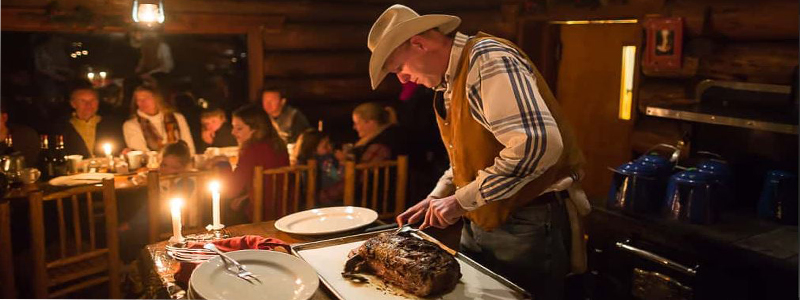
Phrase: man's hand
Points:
(442, 212)
(414, 213)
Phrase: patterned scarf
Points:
(151, 136)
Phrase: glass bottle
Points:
(59, 157)
(45, 161)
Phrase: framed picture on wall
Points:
(664, 43)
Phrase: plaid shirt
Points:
(504, 99)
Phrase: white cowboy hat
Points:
(395, 26)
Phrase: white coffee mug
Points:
(135, 160)
(29, 175)
(72, 163)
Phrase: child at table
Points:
(313, 144)
(175, 159)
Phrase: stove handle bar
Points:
(656, 258)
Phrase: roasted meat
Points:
(417, 266)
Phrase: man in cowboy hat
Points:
(514, 163)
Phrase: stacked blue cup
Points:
(690, 198)
(778, 201)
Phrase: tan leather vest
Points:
(472, 147)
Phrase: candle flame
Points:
(107, 148)
(176, 203)
(214, 186)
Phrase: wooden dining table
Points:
(161, 283)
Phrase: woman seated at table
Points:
(380, 138)
(259, 145)
(379, 135)
(153, 124)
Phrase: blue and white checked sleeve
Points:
(504, 99)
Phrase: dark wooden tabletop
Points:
(164, 286)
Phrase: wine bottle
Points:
(59, 157)
(45, 158)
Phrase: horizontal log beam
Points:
(296, 64)
(37, 19)
(332, 90)
(752, 62)
(318, 37)
(660, 92)
(755, 20)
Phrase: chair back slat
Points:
(9, 290)
(285, 196)
(89, 210)
(76, 224)
(62, 228)
(258, 193)
(68, 278)
(287, 187)
(375, 180)
(364, 188)
(274, 198)
(296, 193)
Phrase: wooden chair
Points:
(369, 176)
(81, 266)
(286, 178)
(197, 202)
(6, 255)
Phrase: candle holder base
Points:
(176, 240)
(217, 232)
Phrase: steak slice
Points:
(415, 265)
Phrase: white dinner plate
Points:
(326, 220)
(79, 179)
(281, 276)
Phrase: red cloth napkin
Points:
(231, 244)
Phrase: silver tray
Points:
(327, 258)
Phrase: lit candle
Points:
(107, 150)
(214, 187)
(90, 75)
(103, 75)
(175, 205)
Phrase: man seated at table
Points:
(84, 130)
(216, 130)
(287, 120)
(23, 139)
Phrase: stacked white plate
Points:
(280, 276)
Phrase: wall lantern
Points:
(148, 13)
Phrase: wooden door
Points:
(588, 88)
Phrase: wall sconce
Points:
(148, 13)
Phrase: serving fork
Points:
(240, 269)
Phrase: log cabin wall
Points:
(316, 50)
(323, 60)
(743, 41)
